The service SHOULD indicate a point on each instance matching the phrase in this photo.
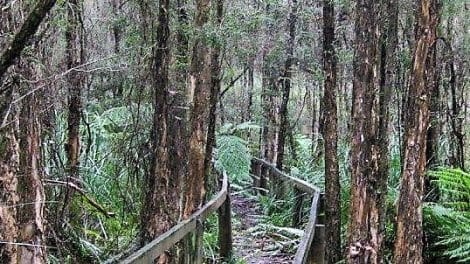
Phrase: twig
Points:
(90, 200)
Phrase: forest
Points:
(238, 132)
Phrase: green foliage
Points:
(454, 186)
(234, 157)
(449, 218)
(107, 176)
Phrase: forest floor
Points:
(253, 244)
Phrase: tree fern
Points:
(454, 186)
(233, 156)
(450, 217)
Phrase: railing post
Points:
(299, 198)
(321, 209)
(199, 239)
(317, 252)
(225, 228)
(264, 173)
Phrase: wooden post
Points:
(186, 257)
(264, 173)
(299, 198)
(225, 229)
(198, 243)
(321, 209)
(256, 173)
(317, 252)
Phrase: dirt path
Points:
(252, 244)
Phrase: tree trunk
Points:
(361, 244)
(178, 111)
(380, 148)
(31, 224)
(9, 162)
(201, 76)
(433, 80)
(215, 93)
(161, 208)
(74, 58)
(330, 135)
(286, 86)
(26, 32)
(409, 238)
(250, 88)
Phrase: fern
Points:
(234, 157)
(451, 216)
(454, 185)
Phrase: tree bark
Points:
(201, 76)
(26, 32)
(330, 135)
(409, 238)
(380, 149)
(178, 110)
(31, 223)
(361, 244)
(9, 162)
(286, 86)
(215, 95)
(74, 58)
(161, 207)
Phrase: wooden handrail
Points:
(305, 246)
(302, 254)
(158, 246)
(300, 184)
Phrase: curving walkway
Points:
(252, 244)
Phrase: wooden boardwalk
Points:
(309, 250)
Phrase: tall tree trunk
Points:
(361, 244)
(457, 157)
(116, 31)
(433, 80)
(201, 76)
(250, 88)
(380, 149)
(161, 208)
(20, 173)
(330, 135)
(409, 239)
(215, 93)
(26, 32)
(31, 224)
(286, 86)
(74, 58)
(178, 111)
(9, 162)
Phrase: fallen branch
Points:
(90, 200)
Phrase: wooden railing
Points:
(311, 247)
(194, 224)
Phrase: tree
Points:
(20, 142)
(200, 89)
(409, 238)
(286, 86)
(161, 207)
(74, 57)
(330, 135)
(361, 246)
(20, 41)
